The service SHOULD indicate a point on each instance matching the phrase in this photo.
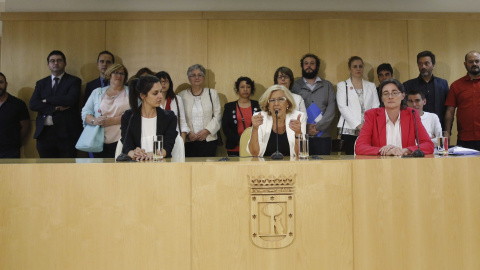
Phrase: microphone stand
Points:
(277, 155)
(124, 157)
(418, 152)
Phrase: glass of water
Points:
(303, 146)
(442, 146)
(157, 147)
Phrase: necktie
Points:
(55, 86)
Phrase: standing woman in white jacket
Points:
(354, 97)
(203, 114)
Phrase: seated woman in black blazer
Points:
(147, 120)
(237, 115)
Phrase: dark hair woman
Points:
(142, 122)
(237, 115)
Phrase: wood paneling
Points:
(169, 45)
(335, 41)
(64, 216)
(416, 214)
(255, 49)
(221, 217)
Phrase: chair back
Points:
(244, 142)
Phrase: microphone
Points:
(124, 157)
(277, 155)
(418, 152)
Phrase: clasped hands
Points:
(199, 136)
(140, 154)
(391, 150)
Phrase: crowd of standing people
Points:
(373, 120)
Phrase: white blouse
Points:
(149, 129)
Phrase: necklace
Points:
(201, 92)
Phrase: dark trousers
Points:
(50, 145)
(10, 153)
(201, 149)
(108, 151)
(349, 142)
(320, 146)
(469, 144)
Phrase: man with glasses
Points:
(434, 88)
(104, 60)
(55, 99)
(321, 94)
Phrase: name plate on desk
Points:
(272, 211)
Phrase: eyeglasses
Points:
(119, 73)
(283, 77)
(393, 94)
(164, 82)
(53, 61)
(279, 100)
(196, 76)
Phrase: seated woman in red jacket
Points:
(390, 129)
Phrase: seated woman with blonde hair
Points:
(276, 102)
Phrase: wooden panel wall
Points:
(230, 45)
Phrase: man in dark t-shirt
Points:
(14, 122)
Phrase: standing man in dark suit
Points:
(434, 88)
(104, 60)
(58, 123)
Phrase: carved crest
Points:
(272, 211)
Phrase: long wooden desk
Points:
(365, 213)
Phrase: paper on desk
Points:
(458, 150)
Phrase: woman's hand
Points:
(257, 120)
(101, 120)
(391, 150)
(296, 125)
(202, 134)
(192, 136)
(139, 154)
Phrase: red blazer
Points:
(373, 135)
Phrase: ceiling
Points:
(241, 5)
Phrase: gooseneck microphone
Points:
(277, 155)
(418, 152)
(125, 157)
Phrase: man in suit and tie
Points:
(104, 60)
(55, 99)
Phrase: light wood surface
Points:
(416, 214)
(95, 216)
(370, 213)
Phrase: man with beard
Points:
(56, 98)
(321, 93)
(464, 96)
(14, 122)
(104, 60)
(434, 88)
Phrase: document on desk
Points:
(314, 115)
(458, 150)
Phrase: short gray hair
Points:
(195, 67)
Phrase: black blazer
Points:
(68, 122)
(92, 85)
(166, 126)
(229, 122)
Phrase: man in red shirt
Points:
(465, 95)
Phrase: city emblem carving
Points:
(272, 215)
